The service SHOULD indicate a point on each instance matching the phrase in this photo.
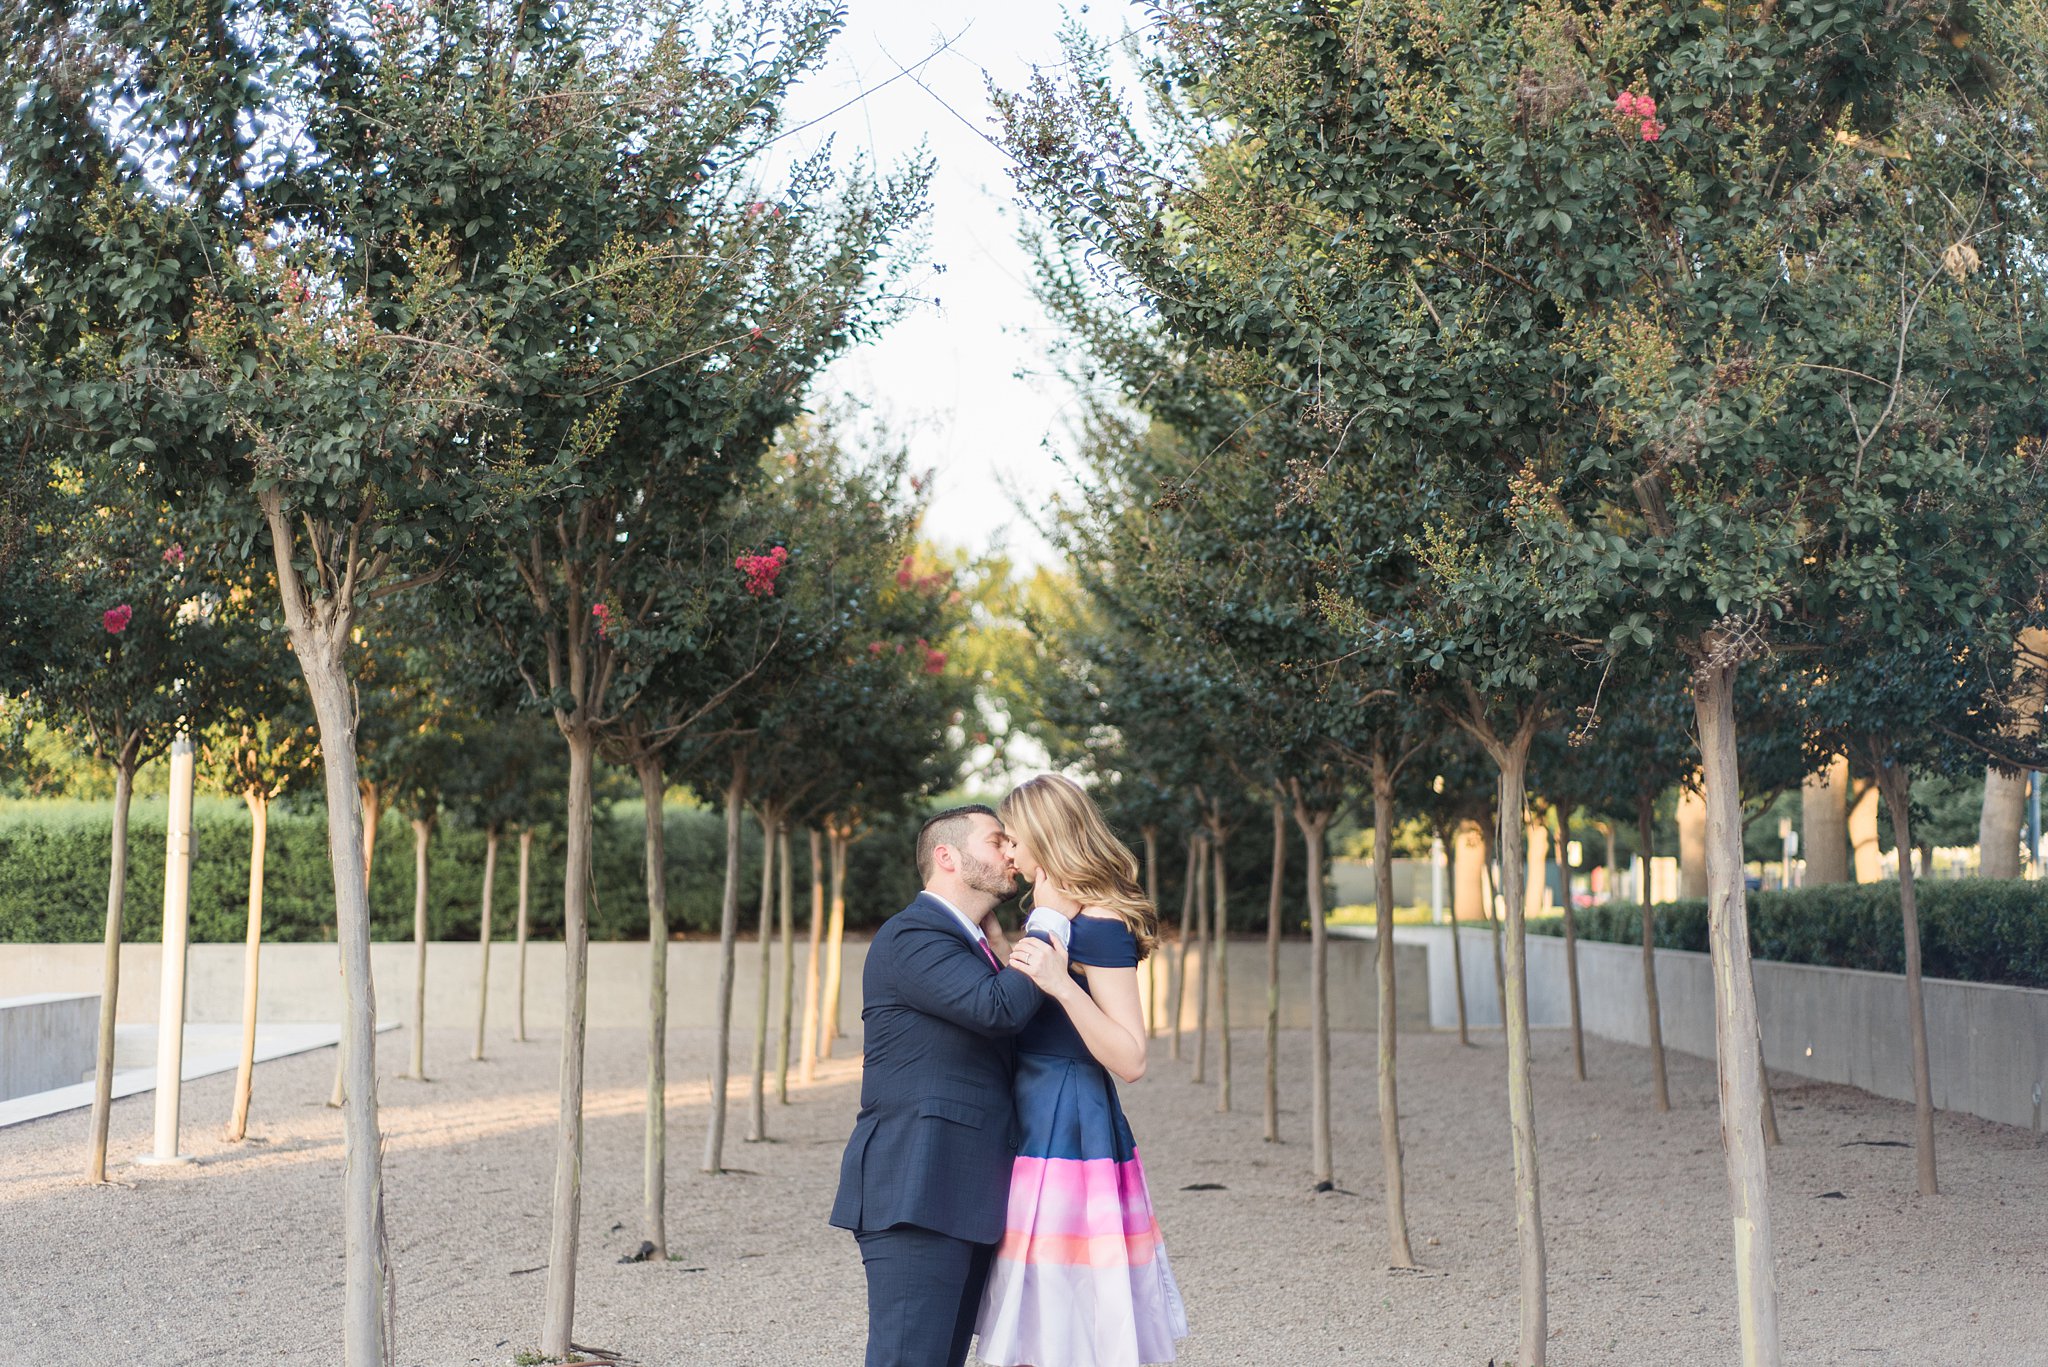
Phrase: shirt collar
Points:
(958, 915)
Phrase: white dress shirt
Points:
(973, 930)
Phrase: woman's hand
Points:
(1044, 963)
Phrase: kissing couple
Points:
(992, 1183)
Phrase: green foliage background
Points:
(53, 876)
(1973, 929)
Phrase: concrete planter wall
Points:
(46, 1040)
(302, 982)
(1987, 1045)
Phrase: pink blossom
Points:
(761, 570)
(603, 615)
(1643, 109)
(934, 661)
(877, 647)
(115, 619)
(174, 554)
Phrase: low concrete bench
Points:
(46, 1041)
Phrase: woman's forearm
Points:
(1111, 1043)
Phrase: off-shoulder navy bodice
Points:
(1100, 943)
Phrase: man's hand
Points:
(1045, 964)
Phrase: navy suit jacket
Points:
(936, 1134)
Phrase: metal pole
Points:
(170, 1029)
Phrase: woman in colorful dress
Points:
(1081, 1278)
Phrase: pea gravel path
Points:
(237, 1258)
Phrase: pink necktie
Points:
(990, 955)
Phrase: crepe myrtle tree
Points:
(1930, 696)
(124, 665)
(257, 741)
(899, 707)
(1634, 292)
(289, 360)
(682, 303)
(839, 493)
(500, 781)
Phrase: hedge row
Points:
(53, 877)
(54, 863)
(1974, 930)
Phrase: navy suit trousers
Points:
(914, 1275)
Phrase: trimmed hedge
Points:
(53, 877)
(54, 860)
(1973, 930)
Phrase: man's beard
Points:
(993, 879)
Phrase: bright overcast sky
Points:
(966, 377)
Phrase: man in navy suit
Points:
(925, 1183)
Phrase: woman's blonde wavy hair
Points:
(1079, 852)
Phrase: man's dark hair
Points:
(949, 827)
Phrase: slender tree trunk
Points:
(757, 1120)
(560, 1305)
(654, 1126)
(483, 937)
(2000, 821)
(1152, 1004)
(110, 963)
(1736, 1037)
(1314, 826)
(422, 832)
(1897, 788)
(786, 918)
(367, 1327)
(1863, 851)
(1203, 960)
(1458, 973)
(813, 965)
(1571, 936)
(1398, 1251)
(1274, 895)
(1220, 920)
(1512, 758)
(525, 865)
(1691, 818)
(1493, 913)
(1644, 829)
(372, 798)
(837, 840)
(2004, 812)
(252, 963)
(1824, 823)
(728, 937)
(1181, 946)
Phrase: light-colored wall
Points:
(46, 1040)
(1987, 1044)
(302, 982)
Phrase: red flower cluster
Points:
(761, 570)
(1642, 108)
(174, 554)
(603, 615)
(115, 619)
(877, 647)
(934, 661)
(907, 577)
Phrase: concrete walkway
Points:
(237, 1256)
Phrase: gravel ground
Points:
(237, 1258)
